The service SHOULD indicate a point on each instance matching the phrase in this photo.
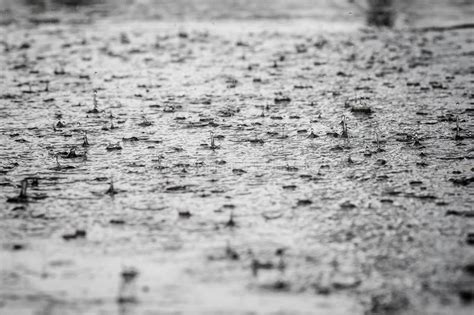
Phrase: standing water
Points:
(236, 157)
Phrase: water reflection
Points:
(54, 4)
(381, 13)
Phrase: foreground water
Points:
(236, 163)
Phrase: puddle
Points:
(242, 158)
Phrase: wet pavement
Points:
(236, 157)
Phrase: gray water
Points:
(236, 189)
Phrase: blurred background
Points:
(373, 12)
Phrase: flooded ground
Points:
(236, 157)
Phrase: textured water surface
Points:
(289, 163)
